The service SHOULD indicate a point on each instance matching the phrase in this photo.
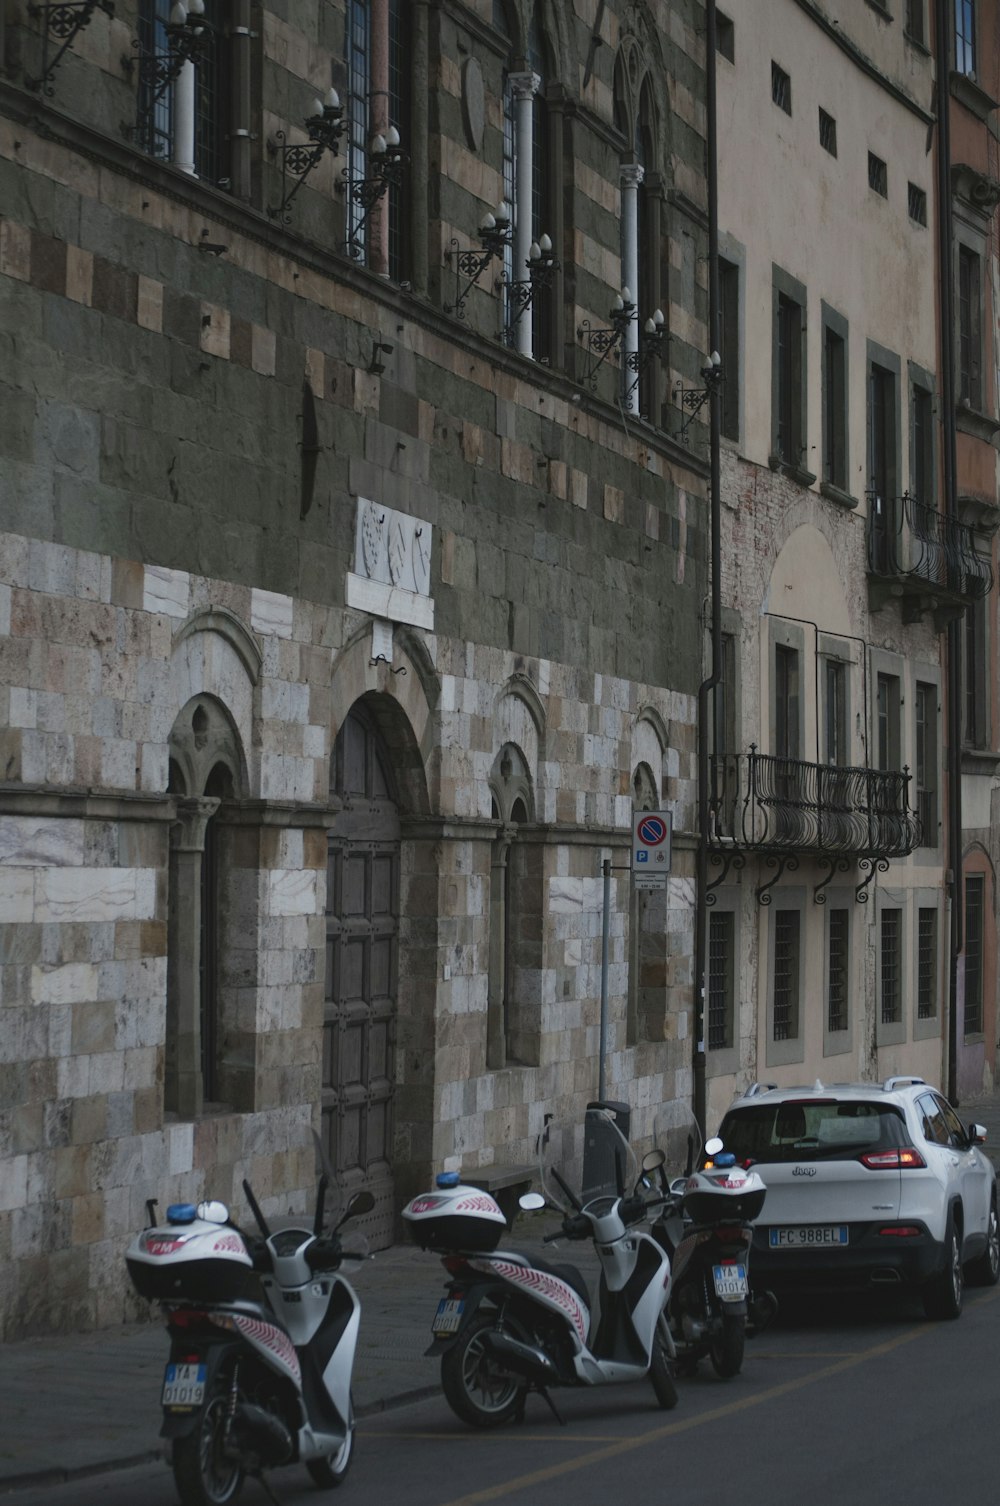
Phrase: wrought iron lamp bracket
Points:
(601, 340)
(387, 168)
(494, 236)
(652, 345)
(64, 20)
(187, 40)
(542, 268)
(694, 398)
(299, 158)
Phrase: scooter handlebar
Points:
(576, 1227)
(324, 1254)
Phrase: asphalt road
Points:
(847, 1401)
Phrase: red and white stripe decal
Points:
(481, 1203)
(272, 1338)
(558, 1292)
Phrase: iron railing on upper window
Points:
(789, 805)
(910, 540)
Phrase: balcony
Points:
(928, 560)
(789, 809)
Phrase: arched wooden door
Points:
(362, 922)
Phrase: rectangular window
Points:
(878, 175)
(922, 436)
(927, 963)
(827, 132)
(725, 37)
(786, 701)
(891, 970)
(882, 468)
(729, 335)
(887, 717)
(836, 713)
(974, 955)
(916, 203)
(834, 408)
(970, 351)
(915, 21)
(926, 760)
(788, 356)
(781, 88)
(965, 37)
(786, 975)
(976, 719)
(837, 973)
(721, 932)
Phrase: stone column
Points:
(378, 123)
(183, 1065)
(524, 86)
(631, 177)
(182, 154)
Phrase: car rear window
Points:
(811, 1130)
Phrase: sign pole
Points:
(605, 933)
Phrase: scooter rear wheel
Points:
(726, 1352)
(202, 1473)
(661, 1372)
(332, 1471)
(476, 1388)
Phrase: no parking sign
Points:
(651, 833)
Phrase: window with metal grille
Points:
(891, 976)
(358, 59)
(781, 88)
(786, 975)
(927, 961)
(926, 762)
(155, 132)
(837, 969)
(721, 932)
(965, 37)
(916, 203)
(974, 955)
(878, 175)
(970, 353)
(827, 132)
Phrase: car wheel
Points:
(943, 1294)
(985, 1269)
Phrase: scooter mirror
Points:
(531, 1201)
(654, 1159)
(213, 1212)
(713, 1146)
(361, 1202)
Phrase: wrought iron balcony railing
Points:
(790, 806)
(910, 541)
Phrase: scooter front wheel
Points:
(476, 1387)
(661, 1372)
(726, 1352)
(204, 1476)
(332, 1471)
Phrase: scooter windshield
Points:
(580, 1163)
(676, 1133)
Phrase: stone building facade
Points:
(351, 591)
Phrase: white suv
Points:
(868, 1184)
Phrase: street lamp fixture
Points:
(188, 36)
(324, 125)
(64, 21)
(695, 398)
(494, 238)
(542, 265)
(387, 164)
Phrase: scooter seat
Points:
(565, 1272)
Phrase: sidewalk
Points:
(87, 1403)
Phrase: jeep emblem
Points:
(803, 1171)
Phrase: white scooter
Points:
(262, 1340)
(512, 1323)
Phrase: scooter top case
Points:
(195, 1257)
(455, 1217)
(724, 1192)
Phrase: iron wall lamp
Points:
(386, 168)
(602, 340)
(64, 20)
(324, 125)
(695, 398)
(542, 266)
(188, 36)
(653, 341)
(494, 238)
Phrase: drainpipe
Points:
(715, 510)
(953, 672)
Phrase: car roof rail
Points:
(891, 1083)
(756, 1088)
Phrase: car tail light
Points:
(904, 1159)
(902, 1231)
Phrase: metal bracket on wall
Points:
(784, 862)
(835, 865)
(727, 861)
(873, 865)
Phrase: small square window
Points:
(725, 37)
(827, 132)
(878, 175)
(916, 200)
(781, 88)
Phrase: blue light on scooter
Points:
(181, 1213)
(725, 1158)
(447, 1179)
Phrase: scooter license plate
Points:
(448, 1316)
(731, 1283)
(183, 1386)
